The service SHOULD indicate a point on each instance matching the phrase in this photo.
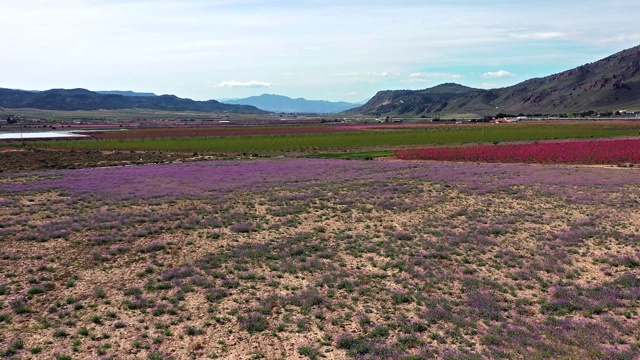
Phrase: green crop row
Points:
(363, 139)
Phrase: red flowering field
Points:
(569, 152)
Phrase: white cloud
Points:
(551, 35)
(435, 75)
(382, 74)
(498, 74)
(246, 84)
(426, 77)
(416, 81)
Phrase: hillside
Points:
(125, 93)
(81, 99)
(428, 101)
(279, 103)
(610, 84)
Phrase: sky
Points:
(330, 50)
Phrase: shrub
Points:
(254, 322)
(60, 333)
(309, 351)
(100, 293)
(401, 298)
(18, 344)
(19, 305)
(216, 294)
(242, 227)
(354, 346)
(402, 235)
(191, 331)
(486, 305)
(153, 247)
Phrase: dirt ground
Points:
(18, 159)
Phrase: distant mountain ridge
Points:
(82, 99)
(280, 103)
(125, 93)
(610, 84)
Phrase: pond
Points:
(38, 135)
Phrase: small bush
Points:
(216, 294)
(254, 323)
(153, 247)
(401, 298)
(60, 334)
(354, 346)
(310, 352)
(191, 331)
(19, 306)
(242, 227)
(18, 344)
(402, 235)
(100, 293)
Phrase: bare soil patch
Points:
(18, 159)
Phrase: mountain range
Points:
(125, 93)
(279, 103)
(610, 84)
(81, 99)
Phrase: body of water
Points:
(38, 135)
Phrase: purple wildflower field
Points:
(311, 258)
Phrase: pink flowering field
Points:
(566, 152)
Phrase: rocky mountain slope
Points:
(610, 84)
(81, 99)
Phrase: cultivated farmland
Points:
(569, 152)
(328, 138)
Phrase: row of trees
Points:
(12, 119)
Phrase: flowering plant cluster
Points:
(568, 152)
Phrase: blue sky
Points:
(332, 50)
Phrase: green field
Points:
(354, 155)
(363, 140)
(116, 116)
